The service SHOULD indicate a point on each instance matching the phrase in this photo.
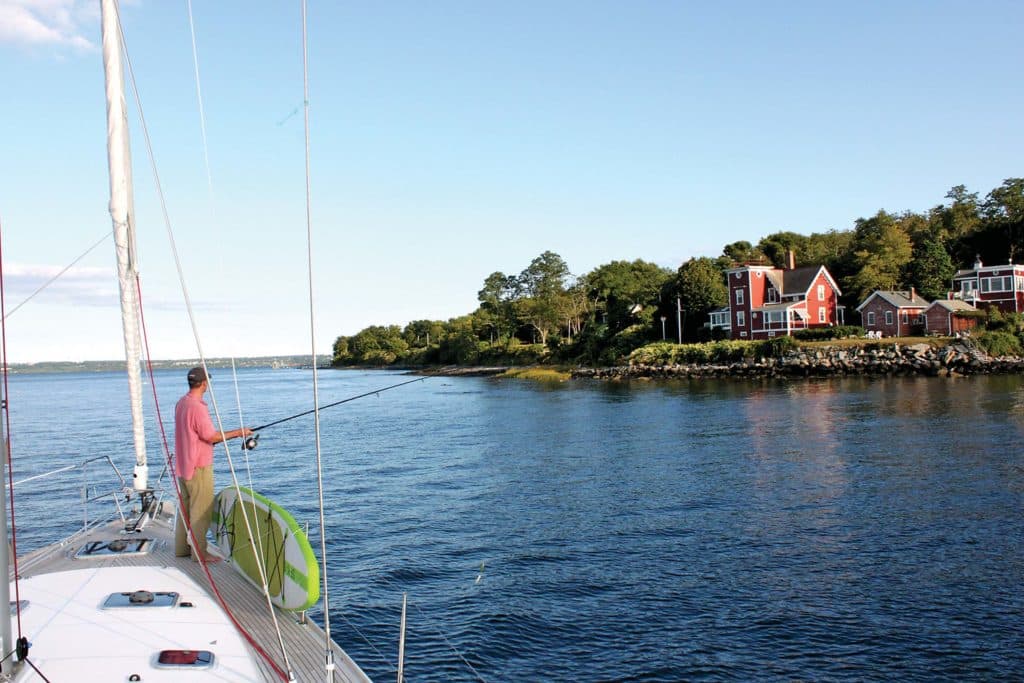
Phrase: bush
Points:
(623, 343)
(996, 320)
(999, 343)
(777, 347)
(667, 353)
(512, 353)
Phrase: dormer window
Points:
(773, 295)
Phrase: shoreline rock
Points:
(917, 360)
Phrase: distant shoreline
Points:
(275, 362)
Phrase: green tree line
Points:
(545, 313)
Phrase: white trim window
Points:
(741, 318)
(871, 317)
(888, 317)
(739, 297)
(997, 284)
(905, 317)
(821, 293)
(773, 295)
(821, 314)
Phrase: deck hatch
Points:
(140, 598)
(114, 547)
(184, 659)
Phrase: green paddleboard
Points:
(276, 543)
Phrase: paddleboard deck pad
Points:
(276, 543)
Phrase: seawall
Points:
(895, 360)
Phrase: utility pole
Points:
(679, 318)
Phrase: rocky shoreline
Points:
(919, 359)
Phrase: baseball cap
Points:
(196, 376)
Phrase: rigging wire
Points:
(202, 110)
(436, 630)
(328, 649)
(55, 277)
(7, 436)
(258, 550)
(195, 332)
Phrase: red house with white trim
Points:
(893, 313)
(984, 286)
(768, 302)
(949, 317)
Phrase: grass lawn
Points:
(934, 342)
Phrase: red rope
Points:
(177, 489)
(7, 419)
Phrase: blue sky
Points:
(454, 139)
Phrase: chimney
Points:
(913, 293)
(977, 261)
(790, 259)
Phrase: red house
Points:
(893, 313)
(768, 302)
(1001, 287)
(946, 317)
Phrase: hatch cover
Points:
(141, 598)
(114, 547)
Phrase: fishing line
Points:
(337, 403)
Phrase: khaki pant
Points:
(197, 504)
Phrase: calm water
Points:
(833, 530)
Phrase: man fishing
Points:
(194, 438)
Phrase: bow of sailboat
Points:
(112, 600)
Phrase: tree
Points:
(932, 269)
(1004, 212)
(740, 252)
(701, 288)
(775, 246)
(882, 252)
(460, 345)
(831, 249)
(626, 291)
(577, 308)
(340, 351)
(496, 300)
(377, 345)
(962, 217)
(420, 333)
(541, 290)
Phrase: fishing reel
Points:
(250, 442)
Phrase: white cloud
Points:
(48, 22)
(78, 286)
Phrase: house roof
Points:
(768, 308)
(974, 272)
(953, 305)
(799, 280)
(896, 297)
(791, 282)
(775, 277)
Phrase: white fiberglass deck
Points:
(73, 637)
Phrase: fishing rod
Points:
(250, 442)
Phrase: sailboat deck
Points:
(304, 642)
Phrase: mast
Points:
(6, 612)
(122, 213)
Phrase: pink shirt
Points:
(193, 430)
